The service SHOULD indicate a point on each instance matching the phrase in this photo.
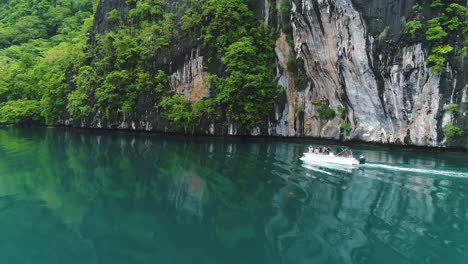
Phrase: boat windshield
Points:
(341, 151)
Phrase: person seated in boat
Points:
(326, 151)
(316, 151)
(311, 149)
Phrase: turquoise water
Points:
(75, 196)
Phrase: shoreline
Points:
(356, 144)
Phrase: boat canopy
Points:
(337, 149)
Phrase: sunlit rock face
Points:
(187, 194)
(389, 96)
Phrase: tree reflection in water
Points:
(137, 198)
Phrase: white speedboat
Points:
(343, 156)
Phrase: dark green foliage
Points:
(184, 115)
(301, 109)
(285, 11)
(246, 92)
(454, 109)
(193, 18)
(72, 79)
(413, 27)
(178, 110)
(228, 21)
(342, 112)
(113, 15)
(161, 81)
(452, 132)
(324, 111)
(436, 3)
(296, 66)
(117, 75)
(345, 128)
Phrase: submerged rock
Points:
(186, 195)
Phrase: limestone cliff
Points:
(389, 96)
(384, 88)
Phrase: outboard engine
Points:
(362, 160)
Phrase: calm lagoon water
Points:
(74, 196)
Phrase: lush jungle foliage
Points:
(39, 42)
(245, 46)
(54, 63)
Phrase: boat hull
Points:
(320, 158)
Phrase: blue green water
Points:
(75, 196)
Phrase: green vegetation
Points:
(245, 95)
(295, 64)
(452, 132)
(285, 11)
(384, 33)
(296, 67)
(301, 109)
(413, 27)
(446, 30)
(52, 65)
(345, 128)
(436, 3)
(19, 111)
(342, 112)
(437, 58)
(325, 112)
(454, 109)
(39, 43)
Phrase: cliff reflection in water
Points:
(99, 197)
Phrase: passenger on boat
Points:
(325, 151)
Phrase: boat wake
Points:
(313, 168)
(323, 166)
(415, 170)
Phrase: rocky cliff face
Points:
(389, 97)
(385, 90)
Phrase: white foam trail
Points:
(423, 171)
(315, 169)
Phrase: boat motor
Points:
(362, 160)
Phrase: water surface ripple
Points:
(74, 196)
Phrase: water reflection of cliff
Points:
(369, 217)
(136, 198)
